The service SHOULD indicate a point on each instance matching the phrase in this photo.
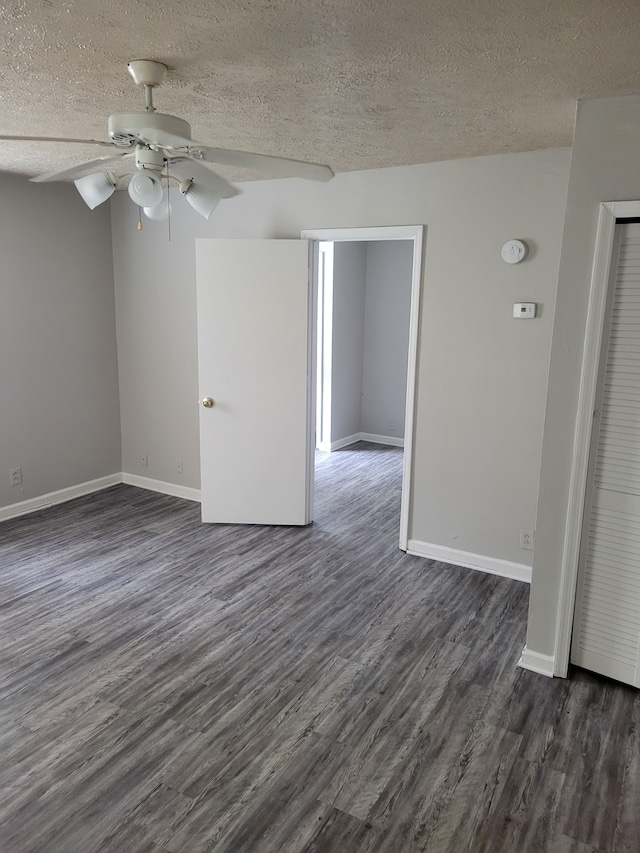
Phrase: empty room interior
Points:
(319, 427)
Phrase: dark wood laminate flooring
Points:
(169, 686)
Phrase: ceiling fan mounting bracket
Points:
(147, 72)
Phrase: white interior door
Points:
(254, 360)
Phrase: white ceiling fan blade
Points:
(74, 171)
(186, 167)
(5, 138)
(162, 138)
(276, 166)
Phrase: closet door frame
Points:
(601, 272)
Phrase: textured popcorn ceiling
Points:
(354, 84)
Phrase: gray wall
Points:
(386, 337)
(482, 376)
(59, 416)
(349, 280)
(157, 343)
(604, 167)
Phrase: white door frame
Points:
(609, 212)
(414, 233)
(322, 280)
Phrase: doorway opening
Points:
(366, 289)
(362, 342)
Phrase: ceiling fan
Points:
(158, 142)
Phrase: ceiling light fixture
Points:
(159, 211)
(96, 188)
(202, 199)
(145, 188)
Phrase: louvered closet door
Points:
(607, 618)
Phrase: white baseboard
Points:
(160, 486)
(345, 442)
(391, 440)
(58, 497)
(68, 494)
(535, 662)
(490, 565)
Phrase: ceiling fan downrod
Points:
(148, 99)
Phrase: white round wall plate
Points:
(514, 251)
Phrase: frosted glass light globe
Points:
(145, 188)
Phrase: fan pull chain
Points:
(139, 218)
(168, 204)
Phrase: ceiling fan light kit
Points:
(96, 188)
(202, 199)
(160, 211)
(158, 140)
(145, 188)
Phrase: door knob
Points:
(207, 402)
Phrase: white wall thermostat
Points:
(524, 310)
(514, 251)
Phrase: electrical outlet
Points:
(526, 539)
(391, 424)
(144, 461)
(15, 476)
(179, 466)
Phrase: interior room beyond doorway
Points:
(363, 318)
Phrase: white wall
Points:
(349, 280)
(482, 376)
(386, 337)
(59, 412)
(604, 167)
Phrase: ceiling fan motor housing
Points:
(126, 129)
